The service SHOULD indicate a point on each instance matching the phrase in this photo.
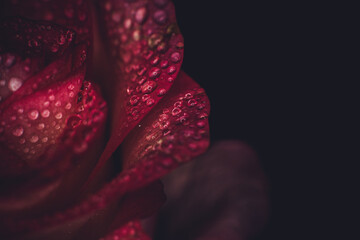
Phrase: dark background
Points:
(261, 65)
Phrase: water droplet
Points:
(14, 84)
(18, 131)
(41, 126)
(160, 17)
(33, 114)
(127, 23)
(57, 104)
(45, 113)
(162, 92)
(58, 115)
(150, 102)
(46, 103)
(201, 124)
(175, 57)
(73, 121)
(33, 43)
(68, 106)
(164, 64)
(116, 16)
(140, 15)
(154, 73)
(10, 61)
(171, 70)
(148, 87)
(52, 97)
(34, 138)
(45, 139)
(134, 100)
(175, 111)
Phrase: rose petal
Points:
(34, 38)
(72, 14)
(147, 49)
(189, 129)
(220, 195)
(132, 230)
(68, 138)
(92, 225)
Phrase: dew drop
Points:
(175, 57)
(33, 114)
(46, 103)
(154, 73)
(57, 104)
(34, 138)
(164, 64)
(41, 126)
(58, 115)
(175, 111)
(140, 15)
(52, 97)
(201, 124)
(18, 131)
(14, 84)
(171, 70)
(10, 60)
(45, 113)
(134, 100)
(160, 17)
(162, 92)
(45, 139)
(116, 16)
(150, 102)
(148, 87)
(68, 106)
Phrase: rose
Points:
(61, 176)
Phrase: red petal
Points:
(147, 49)
(76, 224)
(188, 137)
(34, 38)
(132, 230)
(72, 14)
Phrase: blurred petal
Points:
(147, 51)
(68, 13)
(221, 195)
(130, 231)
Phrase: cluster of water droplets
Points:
(148, 49)
(183, 125)
(13, 73)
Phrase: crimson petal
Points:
(183, 136)
(147, 49)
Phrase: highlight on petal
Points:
(147, 48)
(132, 230)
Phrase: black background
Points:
(261, 65)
